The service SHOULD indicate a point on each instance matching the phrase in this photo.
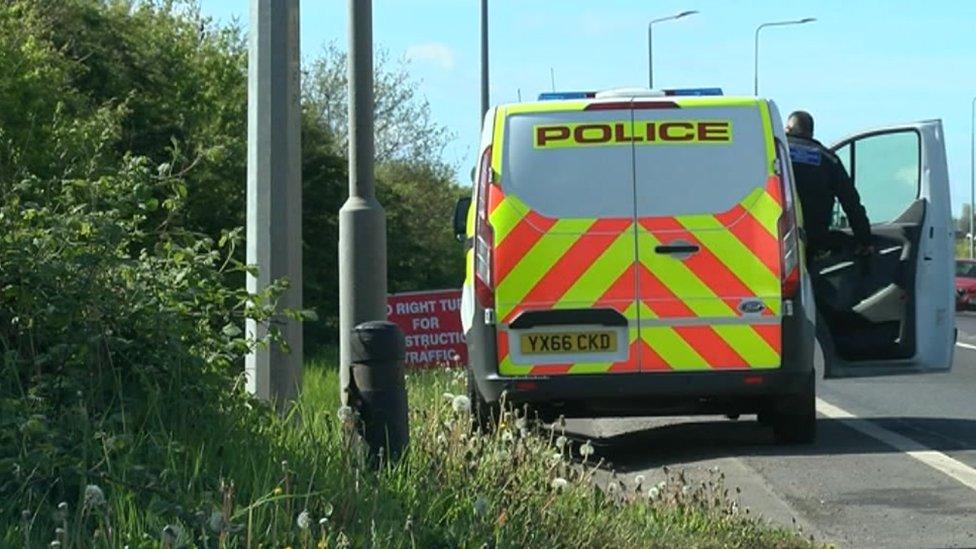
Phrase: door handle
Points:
(676, 249)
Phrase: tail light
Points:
(484, 237)
(789, 241)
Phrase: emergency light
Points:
(557, 96)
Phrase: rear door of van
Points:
(708, 203)
(564, 263)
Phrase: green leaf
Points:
(231, 330)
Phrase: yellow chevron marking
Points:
(767, 211)
(673, 348)
(767, 125)
(681, 280)
(736, 256)
(750, 345)
(602, 273)
(506, 216)
(537, 261)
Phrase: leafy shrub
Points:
(116, 331)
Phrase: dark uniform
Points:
(820, 177)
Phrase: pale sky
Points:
(861, 64)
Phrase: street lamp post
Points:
(755, 89)
(650, 43)
(484, 60)
(972, 175)
(362, 221)
(274, 193)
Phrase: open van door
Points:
(893, 312)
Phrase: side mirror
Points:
(461, 217)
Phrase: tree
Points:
(405, 128)
(174, 84)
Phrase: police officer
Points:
(820, 177)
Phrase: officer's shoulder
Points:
(829, 154)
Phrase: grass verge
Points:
(298, 481)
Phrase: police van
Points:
(641, 252)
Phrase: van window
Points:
(585, 180)
(885, 171)
(698, 176)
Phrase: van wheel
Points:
(484, 415)
(794, 419)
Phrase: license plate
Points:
(568, 342)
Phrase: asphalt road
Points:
(894, 464)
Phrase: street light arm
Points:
(755, 89)
(650, 42)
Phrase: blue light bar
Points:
(694, 91)
(555, 96)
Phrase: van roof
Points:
(582, 103)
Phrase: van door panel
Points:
(717, 304)
(892, 313)
(564, 246)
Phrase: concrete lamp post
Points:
(274, 191)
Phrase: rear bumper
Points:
(658, 393)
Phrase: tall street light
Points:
(362, 221)
(755, 89)
(650, 43)
(972, 176)
(484, 60)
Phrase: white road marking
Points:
(934, 459)
(966, 346)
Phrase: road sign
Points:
(431, 322)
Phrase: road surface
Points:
(894, 465)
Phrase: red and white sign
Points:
(431, 322)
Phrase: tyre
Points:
(484, 415)
(794, 418)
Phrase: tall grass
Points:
(301, 481)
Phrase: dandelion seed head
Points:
(448, 397)
(586, 450)
(304, 520)
(639, 480)
(346, 414)
(94, 496)
(559, 484)
(653, 493)
(561, 442)
(461, 404)
(521, 423)
(613, 488)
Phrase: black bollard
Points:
(380, 397)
